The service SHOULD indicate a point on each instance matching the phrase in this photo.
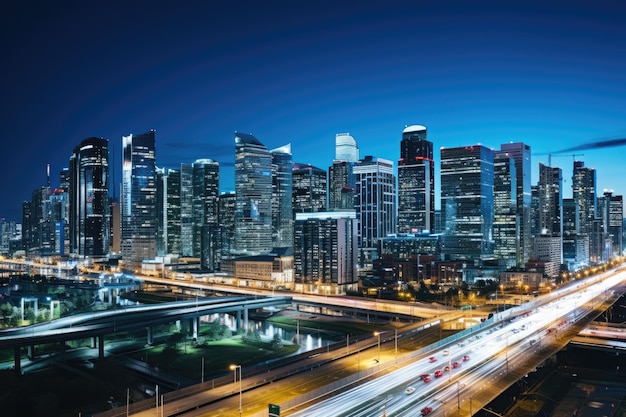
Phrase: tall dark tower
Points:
(416, 182)
(89, 217)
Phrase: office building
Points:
(253, 194)
(346, 148)
(168, 211)
(416, 182)
(375, 204)
(205, 193)
(308, 189)
(611, 213)
(341, 186)
(325, 252)
(89, 203)
(584, 195)
(467, 203)
(520, 153)
(282, 197)
(139, 211)
(506, 220)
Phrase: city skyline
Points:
(551, 76)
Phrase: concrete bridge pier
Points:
(149, 335)
(101, 347)
(195, 325)
(17, 359)
(31, 352)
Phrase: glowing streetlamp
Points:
(234, 368)
(378, 334)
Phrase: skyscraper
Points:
(584, 195)
(253, 190)
(205, 192)
(416, 182)
(341, 186)
(90, 219)
(520, 153)
(325, 252)
(139, 214)
(308, 188)
(282, 201)
(467, 202)
(346, 148)
(506, 220)
(375, 204)
(548, 243)
(611, 213)
(168, 209)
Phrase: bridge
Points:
(99, 324)
(602, 336)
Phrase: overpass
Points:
(602, 336)
(99, 324)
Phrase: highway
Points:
(525, 328)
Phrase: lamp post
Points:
(234, 368)
(378, 355)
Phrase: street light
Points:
(378, 334)
(234, 368)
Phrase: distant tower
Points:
(253, 190)
(375, 204)
(346, 148)
(168, 209)
(467, 202)
(282, 186)
(139, 213)
(206, 190)
(584, 195)
(90, 217)
(520, 153)
(416, 182)
(505, 223)
(309, 188)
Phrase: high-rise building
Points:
(325, 252)
(308, 189)
(570, 252)
(520, 153)
(226, 221)
(186, 209)
(205, 193)
(611, 213)
(584, 195)
(506, 219)
(341, 186)
(139, 212)
(346, 148)
(282, 197)
(549, 216)
(168, 211)
(467, 202)
(550, 201)
(253, 190)
(89, 211)
(375, 204)
(416, 182)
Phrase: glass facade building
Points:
(416, 182)
(90, 219)
(308, 189)
(506, 222)
(253, 191)
(467, 202)
(282, 203)
(139, 211)
(346, 148)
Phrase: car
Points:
(438, 373)
(446, 369)
(432, 359)
(456, 365)
(409, 390)
(424, 376)
(465, 358)
(446, 352)
(426, 410)
(427, 379)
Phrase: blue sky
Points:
(549, 74)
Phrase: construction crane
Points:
(573, 155)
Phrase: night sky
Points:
(551, 74)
